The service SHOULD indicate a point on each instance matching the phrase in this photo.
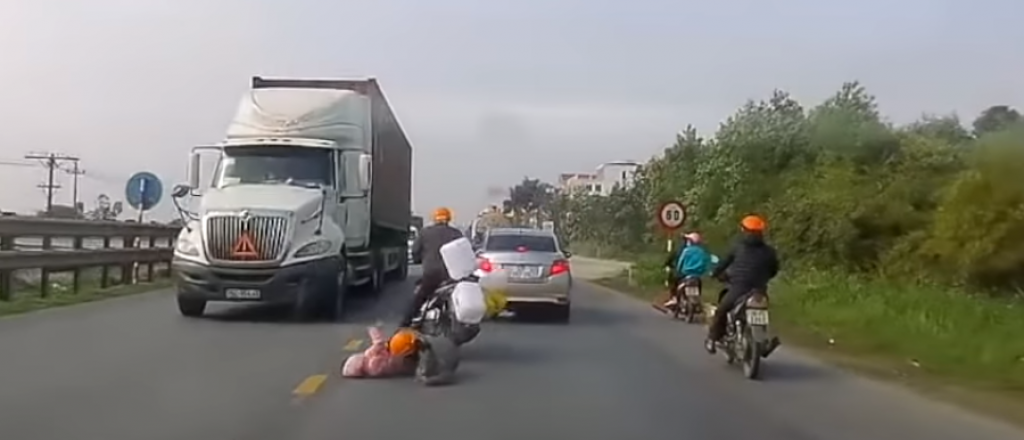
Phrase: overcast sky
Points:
(488, 91)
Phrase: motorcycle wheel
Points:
(440, 327)
(465, 333)
(432, 369)
(691, 312)
(729, 345)
(729, 350)
(751, 357)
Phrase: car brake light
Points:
(485, 265)
(521, 249)
(560, 266)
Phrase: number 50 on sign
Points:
(672, 215)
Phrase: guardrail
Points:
(57, 245)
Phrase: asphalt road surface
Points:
(132, 369)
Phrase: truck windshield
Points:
(275, 164)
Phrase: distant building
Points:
(607, 177)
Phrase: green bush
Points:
(843, 190)
(905, 242)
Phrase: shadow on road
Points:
(496, 351)
(783, 371)
(360, 310)
(581, 315)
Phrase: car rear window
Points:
(521, 243)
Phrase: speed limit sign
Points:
(672, 215)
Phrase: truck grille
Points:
(226, 237)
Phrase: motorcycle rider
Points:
(426, 249)
(692, 261)
(671, 278)
(749, 265)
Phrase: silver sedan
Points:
(537, 268)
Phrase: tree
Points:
(843, 189)
(995, 118)
(530, 200)
(947, 128)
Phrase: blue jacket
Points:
(693, 261)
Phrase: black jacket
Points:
(751, 263)
(427, 247)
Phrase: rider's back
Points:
(431, 239)
(693, 261)
(754, 262)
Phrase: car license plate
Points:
(524, 272)
(242, 293)
(691, 291)
(757, 317)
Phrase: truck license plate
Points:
(242, 293)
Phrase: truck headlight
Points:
(318, 247)
(186, 247)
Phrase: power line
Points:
(75, 172)
(52, 162)
(16, 164)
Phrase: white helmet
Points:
(693, 237)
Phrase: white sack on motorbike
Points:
(468, 303)
(459, 258)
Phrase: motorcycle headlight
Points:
(185, 246)
(318, 247)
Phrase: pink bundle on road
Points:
(377, 360)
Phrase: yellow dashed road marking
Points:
(310, 385)
(353, 345)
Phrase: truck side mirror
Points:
(365, 171)
(180, 190)
(195, 161)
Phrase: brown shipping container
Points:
(391, 196)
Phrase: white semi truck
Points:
(310, 197)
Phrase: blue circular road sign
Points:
(143, 191)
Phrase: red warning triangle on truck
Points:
(245, 248)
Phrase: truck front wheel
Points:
(337, 301)
(317, 299)
(191, 307)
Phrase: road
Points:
(131, 369)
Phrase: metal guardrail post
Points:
(53, 258)
(6, 276)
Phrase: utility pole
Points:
(75, 172)
(52, 161)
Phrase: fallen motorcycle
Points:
(446, 313)
(437, 359)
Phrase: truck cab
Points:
(294, 213)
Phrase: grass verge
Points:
(30, 300)
(966, 349)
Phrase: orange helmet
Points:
(402, 343)
(753, 223)
(442, 215)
